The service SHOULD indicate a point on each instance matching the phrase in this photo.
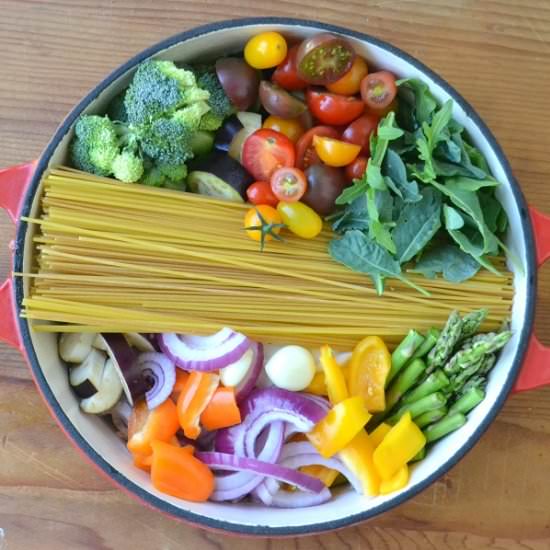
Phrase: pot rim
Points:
(262, 530)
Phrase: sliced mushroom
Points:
(110, 390)
(74, 347)
(86, 377)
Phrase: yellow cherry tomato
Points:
(335, 152)
(350, 83)
(290, 127)
(265, 50)
(302, 220)
(262, 223)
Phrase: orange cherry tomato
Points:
(356, 169)
(193, 399)
(288, 184)
(334, 109)
(144, 425)
(350, 83)
(335, 152)
(290, 127)
(260, 193)
(378, 90)
(175, 471)
(222, 411)
(262, 216)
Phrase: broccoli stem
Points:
(403, 353)
(429, 342)
(430, 402)
(429, 417)
(404, 382)
(445, 426)
(434, 382)
(472, 398)
(420, 455)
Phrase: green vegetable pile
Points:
(427, 200)
(154, 127)
(439, 378)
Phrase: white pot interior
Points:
(345, 502)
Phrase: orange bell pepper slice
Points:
(193, 400)
(181, 379)
(177, 472)
(222, 411)
(144, 461)
(146, 425)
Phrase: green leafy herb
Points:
(425, 103)
(453, 218)
(395, 176)
(455, 266)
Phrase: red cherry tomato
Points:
(334, 108)
(305, 151)
(260, 193)
(286, 74)
(360, 130)
(288, 184)
(356, 169)
(378, 90)
(266, 150)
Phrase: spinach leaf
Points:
(471, 242)
(417, 224)
(357, 189)
(353, 216)
(451, 159)
(455, 266)
(393, 169)
(377, 229)
(362, 254)
(491, 210)
(476, 158)
(453, 218)
(471, 184)
(425, 103)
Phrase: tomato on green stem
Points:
(378, 90)
(333, 108)
(360, 130)
(306, 155)
(286, 74)
(260, 193)
(288, 184)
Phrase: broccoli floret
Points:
(219, 103)
(117, 110)
(191, 116)
(158, 89)
(167, 141)
(95, 145)
(165, 175)
(128, 167)
(174, 173)
(210, 122)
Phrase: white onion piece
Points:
(291, 368)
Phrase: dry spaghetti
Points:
(114, 257)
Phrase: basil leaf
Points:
(455, 265)
(453, 219)
(394, 168)
(416, 225)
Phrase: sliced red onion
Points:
(159, 372)
(228, 462)
(299, 499)
(204, 353)
(248, 383)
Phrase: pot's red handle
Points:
(536, 366)
(13, 186)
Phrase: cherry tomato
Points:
(264, 216)
(378, 90)
(360, 130)
(393, 106)
(265, 50)
(350, 83)
(260, 193)
(356, 169)
(324, 58)
(302, 220)
(290, 127)
(305, 151)
(266, 150)
(286, 74)
(288, 184)
(335, 152)
(333, 108)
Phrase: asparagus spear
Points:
(445, 426)
(429, 417)
(468, 400)
(428, 403)
(403, 353)
(429, 342)
(446, 342)
(434, 382)
(472, 322)
(406, 380)
(419, 455)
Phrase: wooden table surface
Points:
(495, 52)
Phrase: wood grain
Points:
(495, 52)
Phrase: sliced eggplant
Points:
(110, 390)
(219, 175)
(74, 347)
(140, 342)
(86, 377)
(225, 135)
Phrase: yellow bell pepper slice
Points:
(326, 475)
(369, 366)
(341, 424)
(335, 381)
(402, 442)
(357, 457)
(398, 481)
(379, 434)
(317, 386)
